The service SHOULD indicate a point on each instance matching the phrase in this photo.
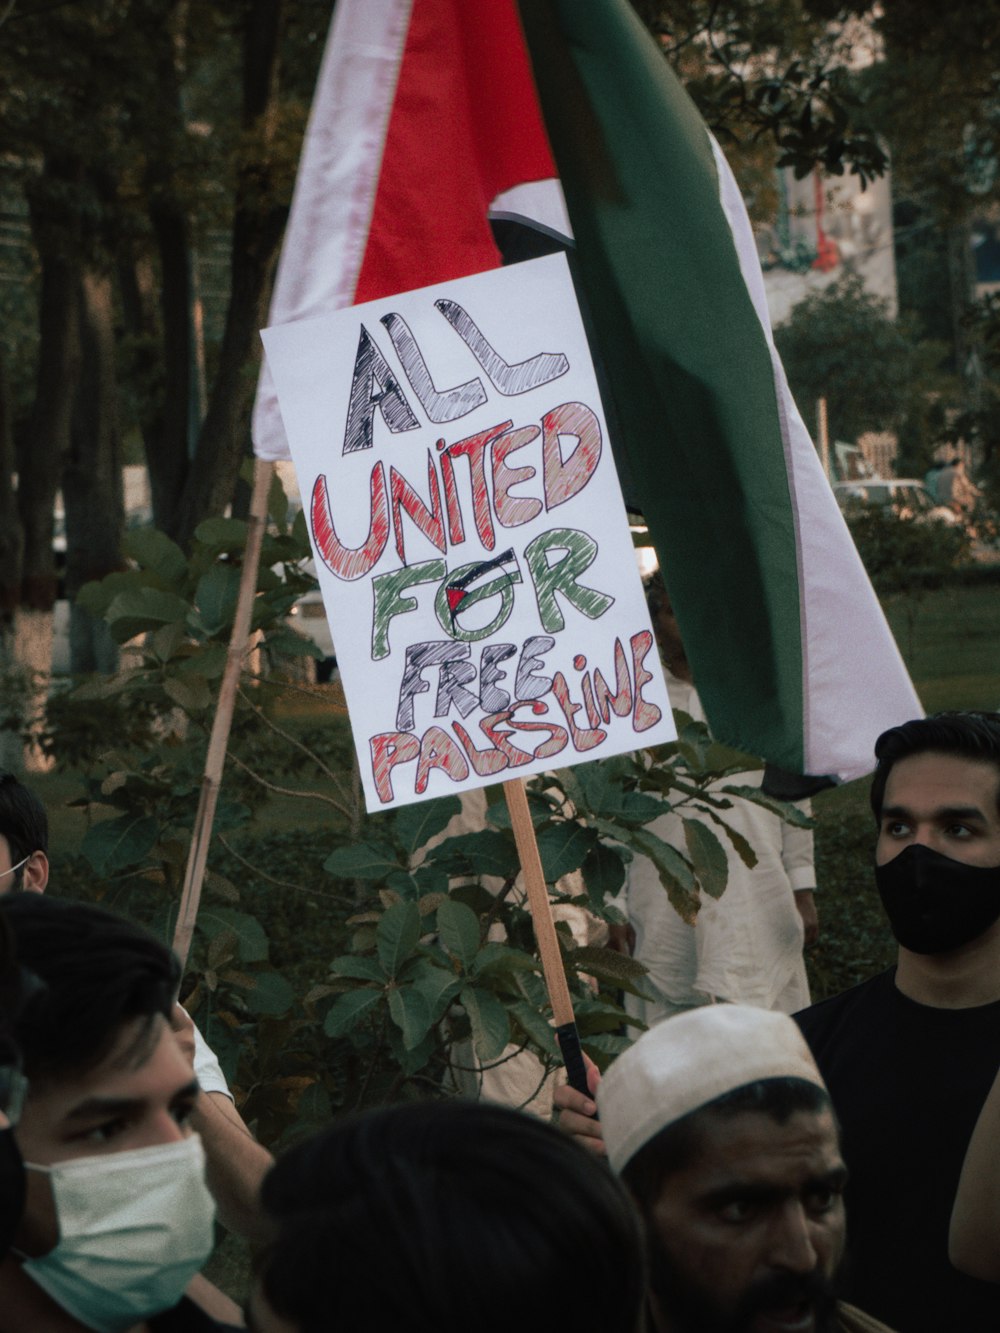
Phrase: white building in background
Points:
(828, 226)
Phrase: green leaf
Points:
(188, 692)
(227, 534)
(488, 1017)
(708, 856)
(270, 993)
(563, 847)
(167, 640)
(246, 928)
(362, 860)
(139, 609)
(495, 959)
(216, 596)
(154, 550)
(603, 873)
(414, 825)
(485, 853)
(785, 810)
(458, 929)
(396, 936)
(411, 1013)
(438, 987)
(361, 969)
(534, 1025)
(117, 844)
(674, 872)
(612, 968)
(741, 846)
(348, 1010)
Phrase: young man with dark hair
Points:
(236, 1161)
(910, 1055)
(445, 1218)
(118, 1218)
(24, 837)
(718, 1122)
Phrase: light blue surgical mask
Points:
(134, 1229)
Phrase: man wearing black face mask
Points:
(910, 1055)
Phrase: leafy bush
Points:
(341, 968)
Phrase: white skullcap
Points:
(687, 1061)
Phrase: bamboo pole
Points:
(545, 934)
(216, 757)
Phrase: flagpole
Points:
(545, 934)
(222, 723)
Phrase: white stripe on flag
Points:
(338, 176)
(541, 204)
(854, 681)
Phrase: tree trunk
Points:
(92, 478)
(257, 228)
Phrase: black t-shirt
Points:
(188, 1318)
(907, 1083)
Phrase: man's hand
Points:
(806, 904)
(621, 939)
(577, 1112)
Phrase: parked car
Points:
(906, 496)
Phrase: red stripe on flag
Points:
(465, 126)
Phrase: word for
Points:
(575, 552)
(374, 387)
(442, 521)
(456, 754)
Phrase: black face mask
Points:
(11, 1189)
(935, 904)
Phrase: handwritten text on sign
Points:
(469, 533)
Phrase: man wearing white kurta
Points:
(745, 947)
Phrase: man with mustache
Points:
(719, 1124)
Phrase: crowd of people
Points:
(736, 1170)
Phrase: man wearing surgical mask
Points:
(910, 1055)
(117, 1217)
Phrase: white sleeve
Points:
(797, 852)
(207, 1069)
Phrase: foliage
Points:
(906, 556)
(772, 73)
(875, 373)
(426, 938)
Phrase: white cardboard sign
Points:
(469, 533)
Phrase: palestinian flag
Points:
(432, 117)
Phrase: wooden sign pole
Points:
(545, 934)
(216, 757)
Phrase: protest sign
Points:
(469, 533)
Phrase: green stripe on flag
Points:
(686, 357)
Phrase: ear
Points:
(35, 874)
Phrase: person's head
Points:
(720, 1126)
(459, 1215)
(24, 837)
(665, 626)
(118, 1218)
(936, 799)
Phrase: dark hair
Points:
(966, 735)
(23, 821)
(450, 1216)
(98, 972)
(675, 1146)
